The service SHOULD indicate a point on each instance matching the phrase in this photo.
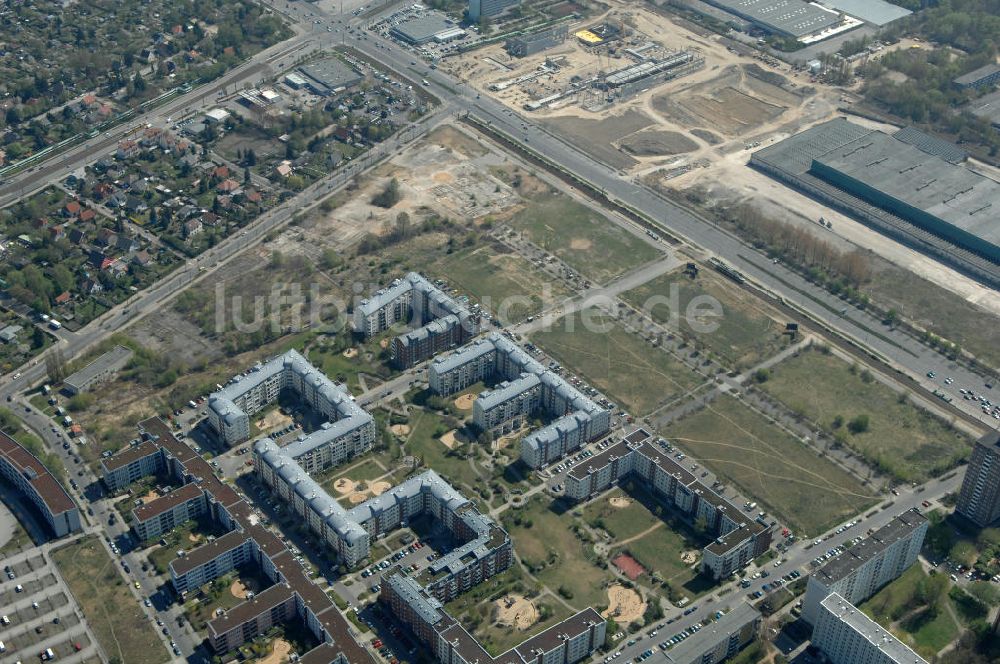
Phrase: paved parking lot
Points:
(39, 613)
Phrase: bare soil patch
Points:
(580, 244)
(596, 137)
(448, 440)
(344, 486)
(465, 401)
(240, 588)
(273, 420)
(620, 501)
(380, 487)
(279, 653)
(454, 139)
(706, 136)
(400, 429)
(656, 143)
(732, 104)
(516, 611)
(625, 605)
(350, 352)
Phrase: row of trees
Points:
(797, 245)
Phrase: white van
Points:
(4, 620)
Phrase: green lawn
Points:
(765, 462)
(365, 471)
(504, 283)
(901, 439)
(475, 609)
(643, 534)
(112, 612)
(424, 442)
(187, 536)
(218, 596)
(556, 556)
(620, 364)
(620, 522)
(744, 335)
(897, 607)
(370, 359)
(585, 239)
(18, 539)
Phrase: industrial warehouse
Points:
(907, 185)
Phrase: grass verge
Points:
(113, 613)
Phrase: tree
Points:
(55, 366)
(63, 277)
(330, 259)
(984, 592)
(37, 337)
(388, 196)
(858, 425)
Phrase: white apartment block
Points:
(461, 370)
(508, 406)
(862, 569)
(350, 532)
(505, 408)
(350, 430)
(441, 321)
(847, 636)
(739, 538)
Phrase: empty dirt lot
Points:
(733, 104)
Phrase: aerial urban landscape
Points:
(500, 331)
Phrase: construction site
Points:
(593, 64)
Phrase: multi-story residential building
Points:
(165, 513)
(350, 430)
(268, 608)
(508, 406)
(504, 409)
(979, 499)
(719, 640)
(569, 641)
(847, 636)
(246, 543)
(136, 461)
(210, 561)
(25, 472)
(859, 572)
(739, 537)
(349, 533)
(475, 363)
(441, 322)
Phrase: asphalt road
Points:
(895, 347)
